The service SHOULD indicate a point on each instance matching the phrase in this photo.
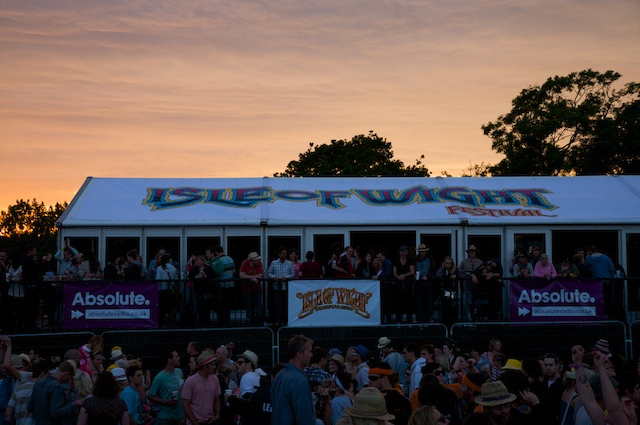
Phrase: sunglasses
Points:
(438, 372)
(374, 378)
(240, 362)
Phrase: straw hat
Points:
(494, 394)
(338, 359)
(472, 248)
(205, 358)
(25, 357)
(423, 248)
(253, 256)
(369, 404)
(251, 356)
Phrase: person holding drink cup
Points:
(166, 390)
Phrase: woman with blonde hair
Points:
(495, 347)
(427, 415)
(88, 351)
(445, 364)
(83, 384)
(349, 367)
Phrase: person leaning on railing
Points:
(204, 289)
(385, 276)
(165, 275)
(280, 271)
(450, 277)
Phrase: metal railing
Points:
(222, 303)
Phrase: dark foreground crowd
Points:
(413, 383)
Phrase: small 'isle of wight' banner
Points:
(346, 302)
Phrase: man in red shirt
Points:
(251, 272)
(344, 268)
(310, 269)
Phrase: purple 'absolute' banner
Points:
(97, 304)
(534, 300)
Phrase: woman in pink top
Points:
(295, 259)
(544, 268)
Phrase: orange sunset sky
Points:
(239, 88)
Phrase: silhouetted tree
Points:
(30, 222)
(575, 124)
(363, 155)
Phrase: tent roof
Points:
(338, 201)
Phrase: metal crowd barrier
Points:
(151, 345)
(519, 340)
(344, 337)
(534, 339)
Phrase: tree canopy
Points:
(30, 222)
(363, 155)
(575, 124)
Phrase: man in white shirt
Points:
(280, 271)
(249, 379)
(411, 355)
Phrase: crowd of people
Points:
(414, 289)
(413, 383)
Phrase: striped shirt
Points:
(19, 402)
(228, 270)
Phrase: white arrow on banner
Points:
(75, 314)
(523, 311)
